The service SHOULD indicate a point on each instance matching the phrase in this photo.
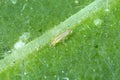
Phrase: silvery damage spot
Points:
(23, 7)
(22, 40)
(65, 78)
(14, 1)
(57, 77)
(97, 22)
(107, 6)
(76, 1)
(19, 44)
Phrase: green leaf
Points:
(90, 52)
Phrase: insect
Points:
(60, 37)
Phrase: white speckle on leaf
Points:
(93, 70)
(14, 1)
(107, 6)
(55, 76)
(63, 71)
(107, 10)
(66, 78)
(84, 35)
(21, 14)
(24, 6)
(97, 22)
(22, 40)
(58, 78)
(9, 51)
(31, 8)
(24, 37)
(25, 73)
(47, 65)
(37, 49)
(76, 1)
(19, 45)
(88, 27)
(45, 77)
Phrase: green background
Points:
(90, 53)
